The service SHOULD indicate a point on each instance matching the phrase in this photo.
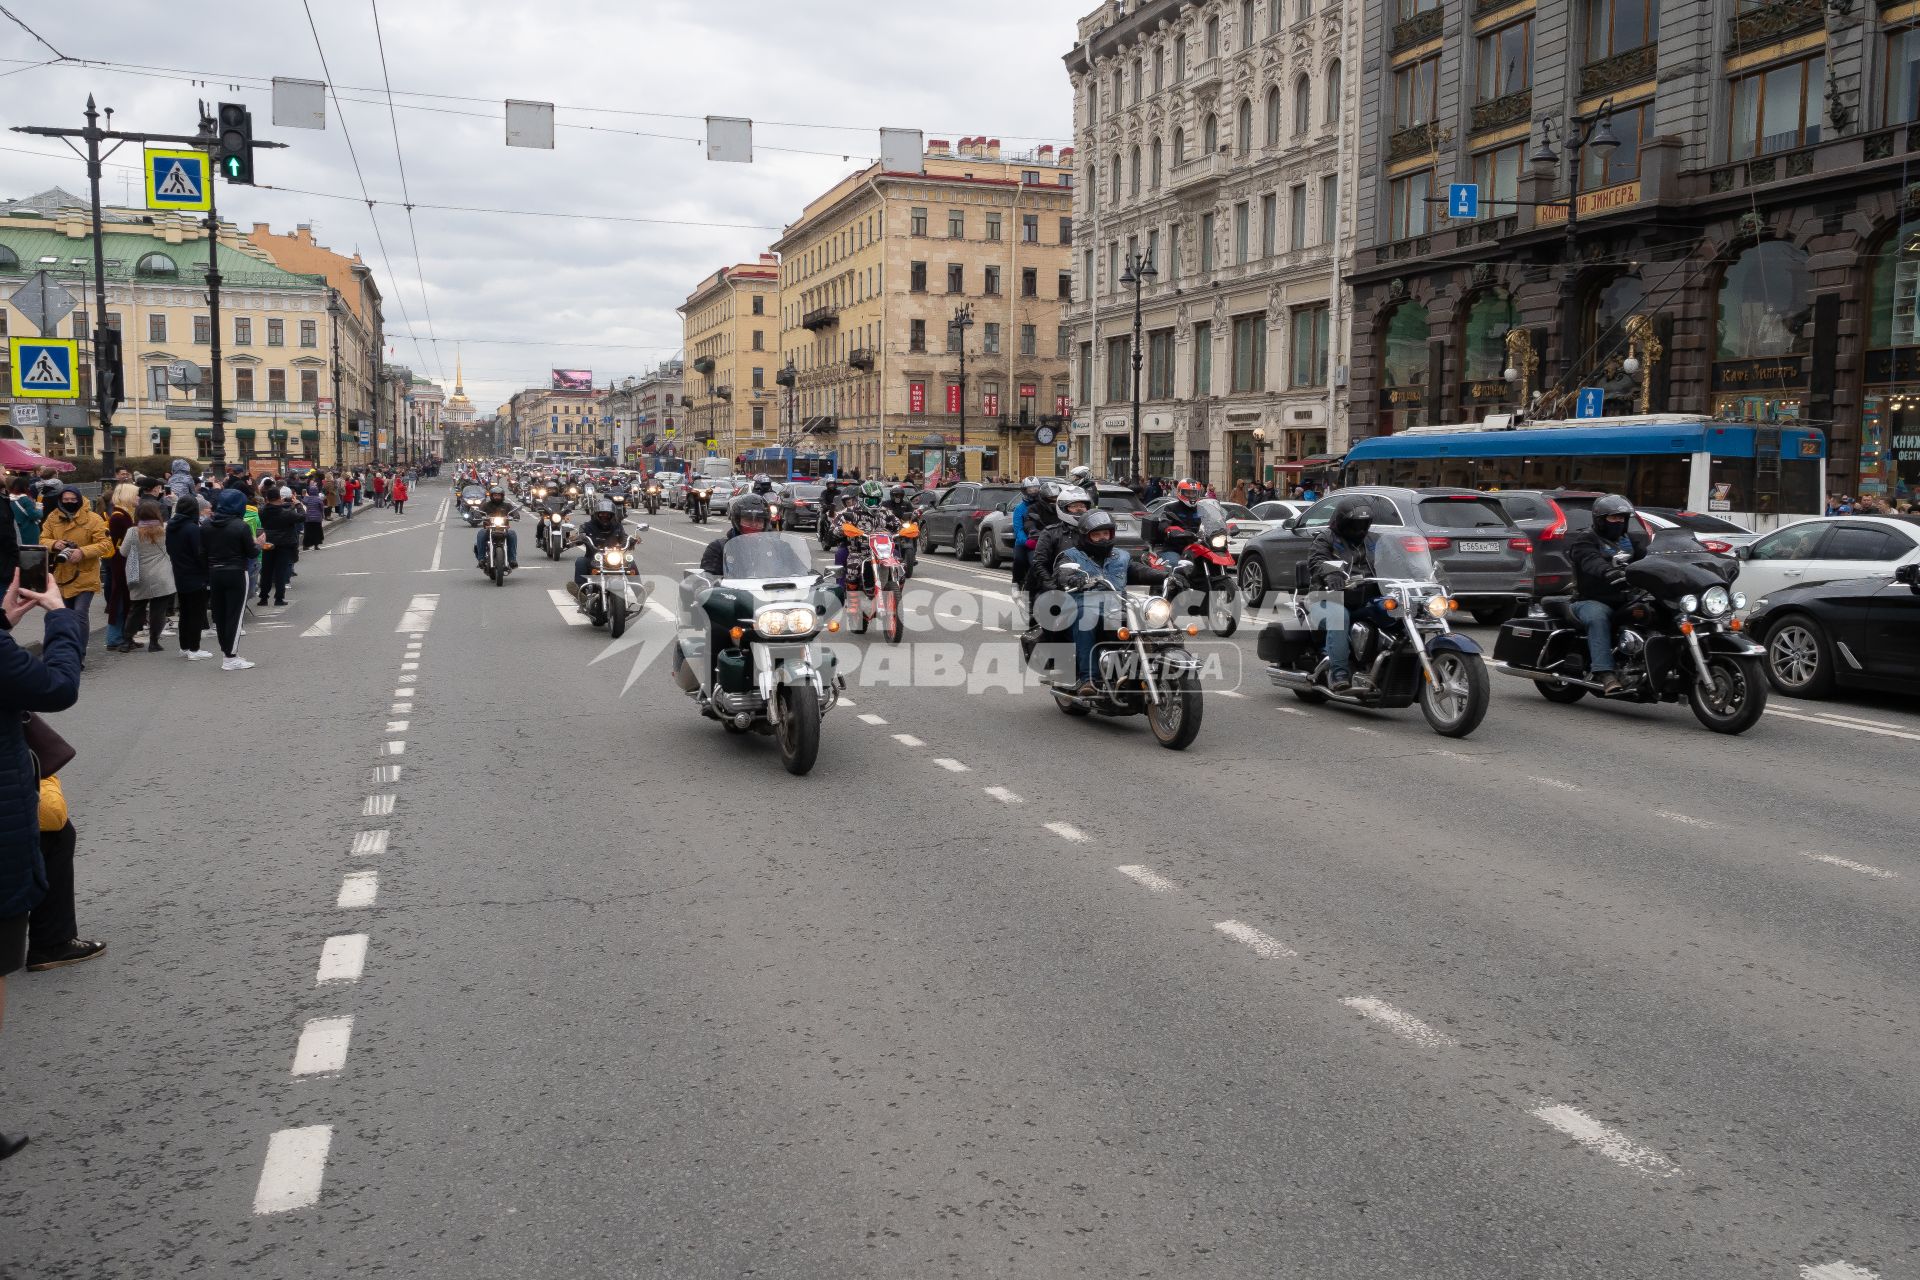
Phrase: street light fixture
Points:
(1594, 129)
(1139, 270)
(957, 327)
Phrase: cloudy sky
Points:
(594, 293)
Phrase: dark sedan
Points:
(799, 504)
(1855, 633)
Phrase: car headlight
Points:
(1716, 601)
(1436, 606)
(1689, 604)
(1159, 612)
(1740, 600)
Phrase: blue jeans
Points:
(1331, 616)
(1086, 630)
(580, 568)
(513, 546)
(1597, 618)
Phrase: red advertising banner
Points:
(1028, 391)
(916, 397)
(953, 397)
(1063, 405)
(990, 403)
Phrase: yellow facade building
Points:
(872, 277)
(563, 423)
(731, 330)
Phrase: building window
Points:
(1179, 59)
(1329, 208)
(956, 338)
(1310, 347)
(156, 328)
(1250, 352)
(1160, 364)
(1113, 188)
(1900, 102)
(990, 338)
(1414, 100)
(1276, 10)
(1498, 173)
(1159, 69)
(1763, 308)
(993, 226)
(917, 223)
(1210, 135)
(277, 385)
(309, 333)
(759, 376)
(243, 331)
(759, 304)
(1086, 373)
(956, 224)
(1485, 348)
(1246, 24)
(1113, 267)
(1203, 358)
(309, 385)
(759, 418)
(1504, 60)
(203, 330)
(1029, 282)
(1273, 117)
(916, 277)
(1302, 105)
(1332, 116)
(242, 384)
(1119, 362)
(1242, 216)
(1137, 78)
(917, 336)
(1403, 368)
(1133, 173)
(990, 283)
(1269, 225)
(1030, 228)
(1615, 26)
(956, 278)
(1066, 231)
(1064, 343)
(1029, 340)
(1243, 127)
(1206, 243)
(1297, 217)
(1408, 8)
(759, 340)
(1631, 125)
(1407, 205)
(1777, 109)
(1213, 37)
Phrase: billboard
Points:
(573, 379)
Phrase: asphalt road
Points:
(993, 992)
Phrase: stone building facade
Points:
(731, 329)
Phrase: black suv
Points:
(953, 523)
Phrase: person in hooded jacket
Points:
(150, 585)
(281, 523)
(50, 682)
(113, 568)
(180, 479)
(77, 541)
(188, 554)
(1600, 582)
(231, 548)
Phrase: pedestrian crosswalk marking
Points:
(569, 612)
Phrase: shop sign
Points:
(953, 397)
(990, 404)
(1906, 448)
(1402, 397)
(1605, 200)
(1777, 373)
(916, 397)
(1492, 391)
(1892, 364)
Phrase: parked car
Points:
(1827, 549)
(1485, 560)
(1857, 633)
(673, 488)
(1279, 510)
(801, 502)
(953, 523)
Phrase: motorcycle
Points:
(652, 499)
(497, 561)
(749, 654)
(1141, 664)
(613, 592)
(1205, 569)
(699, 502)
(1401, 646)
(1677, 637)
(876, 598)
(471, 498)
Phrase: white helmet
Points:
(1066, 497)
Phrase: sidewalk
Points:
(32, 629)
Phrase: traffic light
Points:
(233, 143)
(112, 371)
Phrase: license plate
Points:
(1481, 548)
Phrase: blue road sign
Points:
(43, 368)
(1463, 200)
(178, 180)
(1592, 403)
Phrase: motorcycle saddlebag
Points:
(1521, 640)
(1286, 637)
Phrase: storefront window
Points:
(1483, 355)
(1608, 307)
(1159, 449)
(1119, 463)
(1902, 78)
(1239, 456)
(1403, 368)
(1890, 416)
(1764, 310)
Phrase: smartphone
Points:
(33, 568)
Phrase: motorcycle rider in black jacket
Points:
(1069, 504)
(1600, 583)
(496, 503)
(602, 529)
(745, 514)
(1342, 542)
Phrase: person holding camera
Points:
(76, 540)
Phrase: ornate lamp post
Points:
(1139, 270)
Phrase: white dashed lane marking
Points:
(1398, 1022)
(1148, 879)
(1683, 819)
(359, 889)
(295, 1169)
(396, 726)
(1555, 782)
(1836, 1271)
(1260, 944)
(342, 958)
(908, 740)
(323, 1046)
(1877, 873)
(1067, 831)
(397, 747)
(1606, 1140)
(378, 806)
(368, 844)
(952, 766)
(1004, 796)
(867, 717)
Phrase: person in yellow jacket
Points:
(77, 540)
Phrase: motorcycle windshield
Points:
(1401, 556)
(1213, 521)
(767, 555)
(473, 493)
(1668, 577)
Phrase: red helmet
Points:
(1188, 490)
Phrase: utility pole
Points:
(333, 315)
(961, 322)
(219, 436)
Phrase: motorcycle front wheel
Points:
(1175, 719)
(1223, 616)
(799, 728)
(1456, 702)
(616, 616)
(1738, 698)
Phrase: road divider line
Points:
(409, 666)
(1608, 1141)
(419, 615)
(1836, 1271)
(1148, 879)
(1684, 820)
(386, 774)
(1371, 733)
(1290, 711)
(369, 844)
(1555, 782)
(1227, 693)
(1004, 796)
(323, 1046)
(404, 693)
(395, 747)
(401, 708)
(908, 740)
(1265, 947)
(358, 890)
(396, 726)
(867, 717)
(295, 1168)
(378, 806)
(1399, 1022)
(1454, 755)
(1838, 724)
(1878, 873)
(1067, 831)
(952, 766)
(343, 958)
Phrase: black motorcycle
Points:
(1676, 638)
(651, 496)
(700, 502)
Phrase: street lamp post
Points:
(789, 378)
(961, 322)
(1139, 270)
(1594, 129)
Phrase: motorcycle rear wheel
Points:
(1564, 694)
(1175, 721)
(1457, 702)
(1739, 698)
(799, 728)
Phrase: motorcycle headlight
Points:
(613, 555)
(1739, 599)
(785, 621)
(1159, 612)
(1689, 604)
(499, 522)
(1716, 601)
(1436, 606)
(1219, 542)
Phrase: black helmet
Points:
(604, 507)
(1097, 532)
(749, 508)
(763, 483)
(1352, 520)
(1610, 517)
(899, 495)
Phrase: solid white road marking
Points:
(1141, 875)
(1290, 711)
(1876, 872)
(439, 538)
(397, 747)
(569, 611)
(386, 773)
(342, 958)
(908, 740)
(1836, 1271)
(359, 889)
(1555, 782)
(295, 1168)
(1608, 1141)
(1454, 755)
(1401, 1024)
(368, 844)
(1067, 831)
(1003, 795)
(1354, 728)
(1832, 723)
(323, 1046)
(1263, 946)
(867, 717)
(952, 766)
(396, 726)
(654, 606)
(378, 806)
(1683, 819)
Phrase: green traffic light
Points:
(233, 166)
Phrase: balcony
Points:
(1405, 144)
(1619, 71)
(1198, 172)
(703, 364)
(1762, 24)
(723, 393)
(1774, 167)
(820, 318)
(1418, 29)
(1207, 75)
(1499, 113)
(860, 358)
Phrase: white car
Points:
(1827, 549)
(1280, 510)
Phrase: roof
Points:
(124, 249)
(1699, 435)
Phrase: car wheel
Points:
(1253, 581)
(990, 551)
(960, 544)
(1799, 658)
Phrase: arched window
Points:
(1403, 367)
(1332, 116)
(1213, 37)
(1117, 99)
(1153, 153)
(1159, 69)
(1484, 351)
(9, 260)
(1179, 147)
(156, 264)
(1210, 135)
(1276, 14)
(1246, 24)
(1133, 174)
(1115, 188)
(1136, 79)
(1273, 117)
(1604, 318)
(1764, 309)
(1302, 104)
(1243, 127)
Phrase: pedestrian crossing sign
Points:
(43, 368)
(178, 180)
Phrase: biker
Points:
(602, 529)
(745, 514)
(900, 503)
(1093, 551)
(497, 504)
(1343, 541)
(1023, 514)
(869, 516)
(1600, 583)
(1070, 504)
(1082, 477)
(762, 485)
(1182, 513)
